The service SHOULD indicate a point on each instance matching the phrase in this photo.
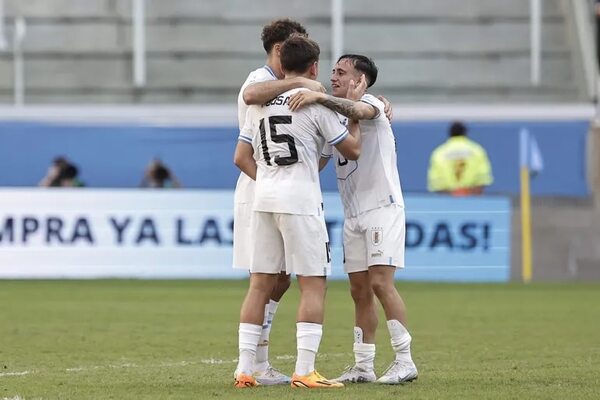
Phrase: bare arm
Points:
(261, 92)
(51, 176)
(244, 159)
(355, 110)
(323, 163)
(387, 108)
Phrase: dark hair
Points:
(60, 161)
(278, 31)
(457, 129)
(298, 53)
(364, 65)
(69, 172)
(161, 174)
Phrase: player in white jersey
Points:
(374, 226)
(281, 149)
(262, 85)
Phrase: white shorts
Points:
(375, 237)
(300, 242)
(242, 235)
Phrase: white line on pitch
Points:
(168, 364)
(14, 373)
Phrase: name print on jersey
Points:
(278, 101)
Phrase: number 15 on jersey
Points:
(273, 121)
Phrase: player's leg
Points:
(386, 253)
(365, 312)
(307, 255)
(250, 328)
(402, 368)
(263, 371)
(309, 331)
(283, 284)
(265, 267)
(309, 325)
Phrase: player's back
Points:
(287, 148)
(244, 189)
(373, 180)
(262, 74)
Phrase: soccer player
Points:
(262, 85)
(281, 149)
(374, 226)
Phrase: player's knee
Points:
(381, 286)
(263, 284)
(361, 293)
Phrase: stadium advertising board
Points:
(92, 233)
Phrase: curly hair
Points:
(279, 30)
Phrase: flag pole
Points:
(526, 264)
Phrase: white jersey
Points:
(287, 146)
(373, 180)
(244, 190)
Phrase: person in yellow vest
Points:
(460, 166)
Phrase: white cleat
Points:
(399, 372)
(355, 374)
(271, 376)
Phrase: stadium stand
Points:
(428, 51)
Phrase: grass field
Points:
(178, 340)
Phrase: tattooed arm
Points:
(355, 110)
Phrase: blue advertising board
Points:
(447, 239)
(95, 233)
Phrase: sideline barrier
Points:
(114, 156)
(96, 233)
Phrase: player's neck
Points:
(275, 65)
(290, 75)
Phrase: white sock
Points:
(400, 339)
(364, 353)
(262, 352)
(248, 341)
(308, 336)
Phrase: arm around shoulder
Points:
(261, 92)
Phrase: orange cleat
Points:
(243, 381)
(314, 380)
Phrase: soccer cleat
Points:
(355, 374)
(314, 380)
(244, 381)
(271, 376)
(399, 372)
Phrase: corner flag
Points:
(531, 163)
(531, 156)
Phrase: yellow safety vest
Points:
(459, 163)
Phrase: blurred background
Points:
(103, 100)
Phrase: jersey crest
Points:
(376, 236)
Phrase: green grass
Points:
(153, 340)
